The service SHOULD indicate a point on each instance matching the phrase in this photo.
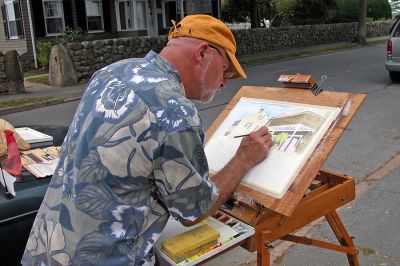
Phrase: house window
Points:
(131, 15)
(94, 15)
(53, 16)
(172, 10)
(12, 19)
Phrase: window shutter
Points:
(18, 19)
(5, 23)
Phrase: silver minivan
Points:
(393, 52)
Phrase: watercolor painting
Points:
(296, 129)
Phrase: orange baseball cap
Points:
(212, 30)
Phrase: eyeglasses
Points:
(228, 74)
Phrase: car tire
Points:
(394, 76)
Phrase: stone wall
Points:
(27, 61)
(252, 41)
(3, 75)
(88, 57)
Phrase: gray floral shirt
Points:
(133, 155)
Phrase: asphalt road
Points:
(369, 142)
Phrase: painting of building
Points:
(293, 133)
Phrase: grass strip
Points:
(35, 72)
(40, 79)
(23, 101)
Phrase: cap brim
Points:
(236, 66)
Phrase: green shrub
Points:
(313, 12)
(369, 19)
(73, 35)
(347, 11)
(43, 53)
(378, 9)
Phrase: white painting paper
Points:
(296, 130)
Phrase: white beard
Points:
(206, 94)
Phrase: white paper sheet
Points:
(296, 128)
(10, 180)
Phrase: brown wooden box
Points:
(329, 192)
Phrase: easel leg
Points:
(342, 235)
(263, 254)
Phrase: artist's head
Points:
(202, 49)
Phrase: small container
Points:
(13, 163)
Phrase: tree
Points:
(260, 10)
(301, 12)
(347, 11)
(236, 11)
(362, 23)
(379, 9)
(254, 14)
(233, 11)
(395, 4)
(283, 12)
(313, 12)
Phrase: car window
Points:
(394, 26)
(396, 32)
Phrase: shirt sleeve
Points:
(181, 176)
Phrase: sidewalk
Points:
(33, 90)
(74, 93)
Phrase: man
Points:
(134, 154)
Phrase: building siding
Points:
(18, 44)
(27, 31)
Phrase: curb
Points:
(30, 106)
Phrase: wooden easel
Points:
(314, 193)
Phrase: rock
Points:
(3, 87)
(61, 68)
(74, 46)
(87, 45)
(98, 44)
(13, 70)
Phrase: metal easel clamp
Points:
(316, 89)
(260, 208)
(268, 245)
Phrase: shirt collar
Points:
(165, 66)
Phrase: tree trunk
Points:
(362, 23)
(254, 17)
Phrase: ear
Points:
(200, 52)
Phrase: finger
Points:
(261, 131)
(267, 137)
(270, 143)
(268, 134)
